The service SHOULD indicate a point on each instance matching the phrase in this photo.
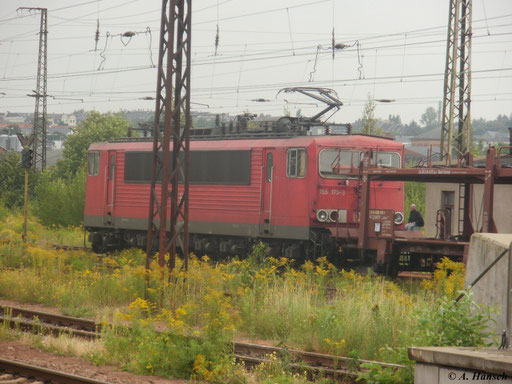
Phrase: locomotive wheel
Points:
(97, 247)
(392, 269)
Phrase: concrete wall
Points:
(492, 289)
(440, 374)
(433, 204)
(502, 207)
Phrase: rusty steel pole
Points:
(170, 175)
(40, 93)
(25, 208)
(456, 119)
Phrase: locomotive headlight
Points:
(399, 218)
(333, 216)
(321, 215)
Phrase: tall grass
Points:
(11, 228)
(316, 307)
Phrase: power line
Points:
(83, 73)
(76, 18)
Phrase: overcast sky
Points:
(263, 46)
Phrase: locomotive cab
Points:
(339, 184)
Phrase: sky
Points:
(394, 49)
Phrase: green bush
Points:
(173, 353)
(12, 181)
(447, 324)
(4, 211)
(60, 200)
(415, 193)
(457, 324)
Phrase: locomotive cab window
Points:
(296, 162)
(334, 163)
(388, 159)
(93, 163)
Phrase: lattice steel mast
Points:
(172, 101)
(40, 93)
(456, 123)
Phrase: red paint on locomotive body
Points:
(281, 186)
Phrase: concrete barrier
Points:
(494, 287)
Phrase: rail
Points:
(16, 372)
(251, 354)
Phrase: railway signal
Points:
(27, 157)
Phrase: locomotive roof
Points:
(358, 141)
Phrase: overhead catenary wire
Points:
(299, 5)
(272, 56)
(403, 53)
(498, 82)
(240, 76)
(125, 38)
(346, 53)
(65, 21)
(485, 18)
(290, 30)
(267, 11)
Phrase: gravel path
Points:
(14, 350)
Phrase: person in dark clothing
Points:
(415, 220)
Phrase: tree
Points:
(95, 128)
(395, 119)
(429, 118)
(415, 193)
(412, 129)
(368, 120)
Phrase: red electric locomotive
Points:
(298, 194)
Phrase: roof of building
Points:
(432, 134)
(497, 136)
(505, 161)
(19, 125)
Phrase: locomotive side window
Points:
(93, 163)
(112, 166)
(220, 167)
(138, 167)
(296, 162)
(270, 166)
(206, 167)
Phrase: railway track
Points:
(14, 372)
(251, 354)
(28, 320)
(415, 275)
(70, 247)
(312, 362)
